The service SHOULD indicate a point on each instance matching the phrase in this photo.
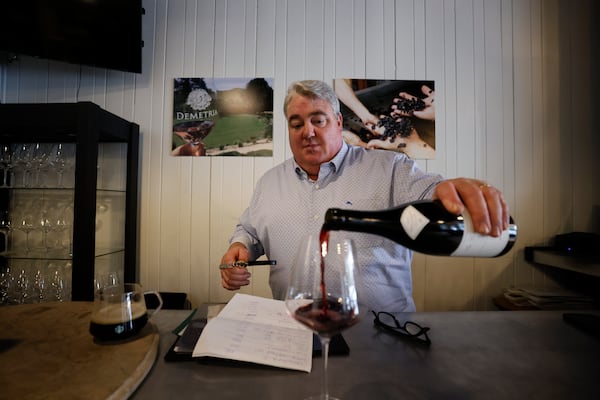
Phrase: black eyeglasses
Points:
(408, 330)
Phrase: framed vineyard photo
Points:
(222, 117)
(395, 115)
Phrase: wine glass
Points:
(108, 279)
(61, 226)
(39, 161)
(61, 158)
(40, 284)
(26, 224)
(46, 221)
(23, 286)
(59, 277)
(6, 160)
(322, 292)
(22, 158)
(7, 281)
(5, 221)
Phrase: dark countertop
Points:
(473, 355)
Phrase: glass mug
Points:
(120, 311)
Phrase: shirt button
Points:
(317, 186)
(315, 217)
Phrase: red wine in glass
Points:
(326, 318)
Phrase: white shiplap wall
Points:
(513, 107)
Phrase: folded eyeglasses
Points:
(408, 330)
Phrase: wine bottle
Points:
(426, 227)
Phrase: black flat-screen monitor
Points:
(100, 33)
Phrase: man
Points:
(290, 201)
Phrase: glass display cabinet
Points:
(68, 200)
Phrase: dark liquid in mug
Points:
(107, 323)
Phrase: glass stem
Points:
(45, 240)
(27, 249)
(325, 355)
(27, 177)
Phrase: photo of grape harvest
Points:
(396, 115)
(222, 117)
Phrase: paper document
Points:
(548, 298)
(259, 330)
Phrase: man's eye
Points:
(296, 126)
(319, 122)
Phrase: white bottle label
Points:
(413, 221)
(476, 244)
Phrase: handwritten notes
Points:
(258, 330)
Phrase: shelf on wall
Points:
(559, 259)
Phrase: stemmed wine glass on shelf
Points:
(6, 160)
(22, 162)
(323, 292)
(25, 222)
(61, 158)
(5, 227)
(62, 225)
(39, 161)
(46, 221)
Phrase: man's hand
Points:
(484, 202)
(236, 277)
(428, 113)
(413, 146)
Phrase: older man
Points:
(290, 201)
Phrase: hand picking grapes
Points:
(407, 105)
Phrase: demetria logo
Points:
(199, 99)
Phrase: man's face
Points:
(315, 132)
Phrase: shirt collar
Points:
(335, 163)
(339, 157)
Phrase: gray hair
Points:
(314, 90)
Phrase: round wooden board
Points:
(46, 351)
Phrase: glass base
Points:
(321, 397)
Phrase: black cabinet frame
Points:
(87, 125)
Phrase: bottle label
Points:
(474, 244)
(413, 221)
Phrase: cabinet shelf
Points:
(34, 189)
(557, 259)
(56, 255)
(105, 178)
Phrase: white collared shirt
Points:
(286, 206)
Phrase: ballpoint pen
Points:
(245, 264)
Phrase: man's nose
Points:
(309, 131)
